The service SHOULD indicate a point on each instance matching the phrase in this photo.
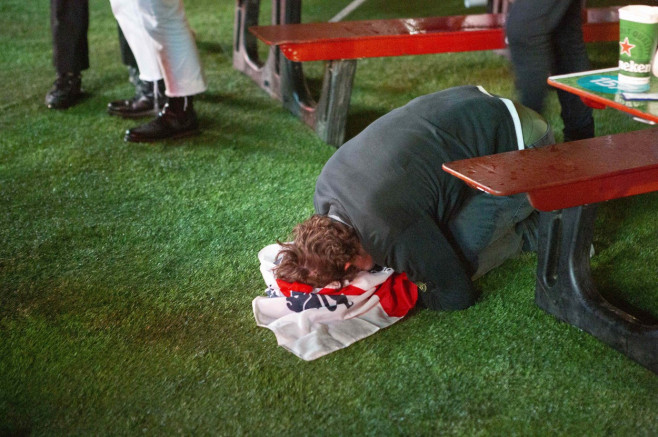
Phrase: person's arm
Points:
(424, 253)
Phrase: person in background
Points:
(162, 41)
(69, 24)
(149, 96)
(545, 37)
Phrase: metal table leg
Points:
(565, 287)
(285, 81)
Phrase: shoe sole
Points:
(132, 139)
(150, 113)
(77, 99)
(63, 106)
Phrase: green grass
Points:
(127, 271)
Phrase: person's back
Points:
(388, 184)
(394, 165)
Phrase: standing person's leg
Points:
(149, 96)
(128, 15)
(167, 26)
(531, 49)
(127, 57)
(540, 34)
(571, 56)
(69, 22)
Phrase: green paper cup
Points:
(638, 34)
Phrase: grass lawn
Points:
(127, 271)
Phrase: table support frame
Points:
(565, 287)
(284, 80)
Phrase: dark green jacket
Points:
(388, 184)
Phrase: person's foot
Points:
(148, 100)
(176, 120)
(66, 91)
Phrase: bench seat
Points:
(569, 174)
(340, 44)
(565, 181)
(304, 42)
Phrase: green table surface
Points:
(598, 88)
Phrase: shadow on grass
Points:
(14, 431)
(230, 99)
(358, 120)
(623, 260)
(210, 47)
(613, 297)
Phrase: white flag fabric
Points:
(312, 322)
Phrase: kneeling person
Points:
(383, 198)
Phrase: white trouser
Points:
(162, 41)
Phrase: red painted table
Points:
(598, 89)
(341, 44)
(567, 181)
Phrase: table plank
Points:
(410, 36)
(569, 174)
(600, 97)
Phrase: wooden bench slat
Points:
(569, 174)
(312, 32)
(410, 36)
(383, 38)
(444, 42)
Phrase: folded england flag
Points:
(312, 322)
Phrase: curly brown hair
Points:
(319, 252)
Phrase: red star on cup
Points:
(626, 47)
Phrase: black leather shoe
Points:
(134, 108)
(66, 91)
(148, 100)
(176, 120)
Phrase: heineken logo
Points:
(633, 67)
(626, 47)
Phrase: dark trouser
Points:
(69, 22)
(127, 56)
(491, 229)
(545, 37)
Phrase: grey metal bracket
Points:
(284, 80)
(565, 287)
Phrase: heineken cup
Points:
(638, 33)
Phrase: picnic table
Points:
(341, 44)
(566, 182)
(598, 89)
